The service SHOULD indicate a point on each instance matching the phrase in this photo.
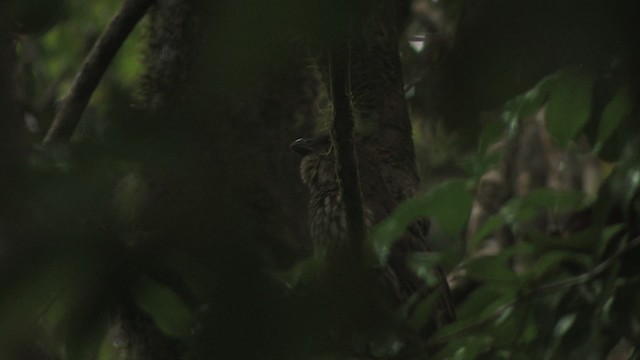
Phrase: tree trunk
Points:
(382, 118)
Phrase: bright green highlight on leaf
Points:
(528, 103)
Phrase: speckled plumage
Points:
(328, 224)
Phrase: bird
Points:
(328, 228)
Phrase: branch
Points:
(539, 291)
(93, 68)
(343, 141)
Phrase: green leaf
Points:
(485, 301)
(569, 106)
(449, 204)
(130, 196)
(574, 333)
(553, 258)
(479, 165)
(583, 240)
(423, 263)
(303, 272)
(423, 311)
(492, 224)
(613, 115)
(563, 325)
(515, 325)
(528, 103)
(467, 347)
(558, 201)
(516, 211)
(113, 345)
(490, 268)
(491, 133)
(625, 312)
(608, 234)
(84, 338)
(165, 307)
(540, 201)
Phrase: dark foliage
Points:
(174, 224)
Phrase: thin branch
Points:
(93, 68)
(344, 145)
(539, 291)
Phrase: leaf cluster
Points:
(553, 294)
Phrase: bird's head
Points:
(317, 169)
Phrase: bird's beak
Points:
(303, 146)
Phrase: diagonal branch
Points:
(94, 67)
(344, 144)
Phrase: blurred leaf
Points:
(576, 332)
(528, 103)
(479, 165)
(467, 348)
(21, 306)
(56, 294)
(623, 185)
(549, 260)
(583, 240)
(540, 201)
(83, 341)
(491, 133)
(516, 326)
(167, 310)
(128, 64)
(130, 196)
(436, 204)
(608, 234)
(108, 352)
(625, 312)
(490, 269)
(423, 312)
(492, 224)
(613, 115)
(563, 325)
(484, 301)
(555, 200)
(569, 106)
(517, 211)
(303, 272)
(424, 262)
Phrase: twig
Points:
(344, 145)
(93, 68)
(541, 290)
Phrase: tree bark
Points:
(344, 143)
(381, 113)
